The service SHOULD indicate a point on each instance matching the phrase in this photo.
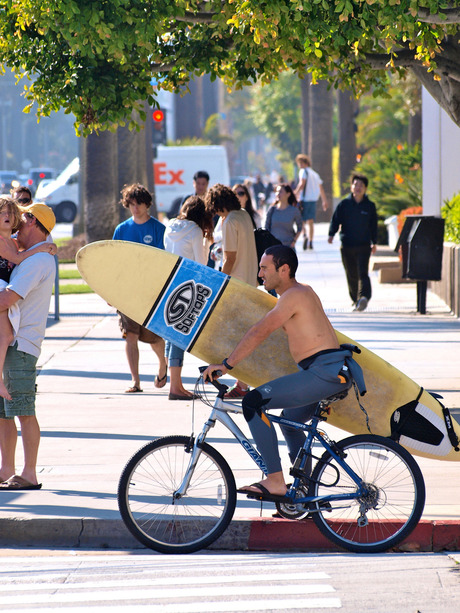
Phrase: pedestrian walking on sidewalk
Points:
(356, 217)
(144, 229)
(308, 190)
(29, 287)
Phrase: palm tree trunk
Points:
(321, 104)
(99, 184)
(348, 109)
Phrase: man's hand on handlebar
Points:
(214, 371)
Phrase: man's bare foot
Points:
(4, 393)
(180, 391)
(274, 485)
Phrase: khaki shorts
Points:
(128, 325)
(19, 374)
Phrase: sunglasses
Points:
(23, 200)
(241, 193)
(29, 215)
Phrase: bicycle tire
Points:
(396, 494)
(185, 525)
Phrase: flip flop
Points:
(16, 482)
(264, 494)
(183, 397)
(161, 381)
(133, 390)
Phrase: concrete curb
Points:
(241, 535)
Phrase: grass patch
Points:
(70, 288)
(68, 273)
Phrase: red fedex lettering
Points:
(160, 173)
(176, 177)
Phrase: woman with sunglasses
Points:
(245, 199)
(283, 219)
(22, 195)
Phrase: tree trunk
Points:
(99, 184)
(321, 102)
(348, 109)
(305, 87)
(127, 145)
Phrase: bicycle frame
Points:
(220, 413)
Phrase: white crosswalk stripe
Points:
(197, 584)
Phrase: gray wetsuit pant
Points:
(318, 378)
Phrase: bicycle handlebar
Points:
(220, 387)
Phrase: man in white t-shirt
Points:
(308, 190)
(238, 246)
(30, 286)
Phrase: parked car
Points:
(38, 174)
(6, 180)
(62, 194)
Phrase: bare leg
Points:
(159, 349)
(175, 382)
(30, 432)
(8, 441)
(311, 226)
(132, 353)
(6, 336)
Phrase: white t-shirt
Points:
(313, 182)
(238, 235)
(33, 280)
(184, 237)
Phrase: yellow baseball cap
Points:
(42, 212)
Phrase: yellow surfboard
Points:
(206, 313)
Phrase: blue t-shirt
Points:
(149, 233)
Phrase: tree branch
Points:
(451, 15)
(203, 17)
(403, 58)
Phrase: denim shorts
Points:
(308, 210)
(19, 374)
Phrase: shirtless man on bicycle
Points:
(314, 346)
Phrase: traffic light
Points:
(159, 127)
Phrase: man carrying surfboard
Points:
(314, 346)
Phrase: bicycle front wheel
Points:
(393, 502)
(176, 525)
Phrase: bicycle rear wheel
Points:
(155, 517)
(392, 506)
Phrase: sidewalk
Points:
(90, 427)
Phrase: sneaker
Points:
(236, 392)
(362, 304)
(305, 243)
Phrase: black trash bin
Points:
(421, 242)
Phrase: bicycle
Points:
(177, 494)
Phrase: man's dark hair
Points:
(201, 174)
(220, 198)
(22, 188)
(283, 255)
(362, 178)
(136, 192)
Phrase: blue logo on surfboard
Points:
(186, 302)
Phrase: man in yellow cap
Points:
(30, 286)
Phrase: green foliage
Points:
(95, 58)
(276, 111)
(395, 176)
(387, 117)
(451, 213)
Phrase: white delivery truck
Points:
(174, 169)
(62, 194)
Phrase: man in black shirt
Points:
(357, 218)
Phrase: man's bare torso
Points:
(308, 329)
